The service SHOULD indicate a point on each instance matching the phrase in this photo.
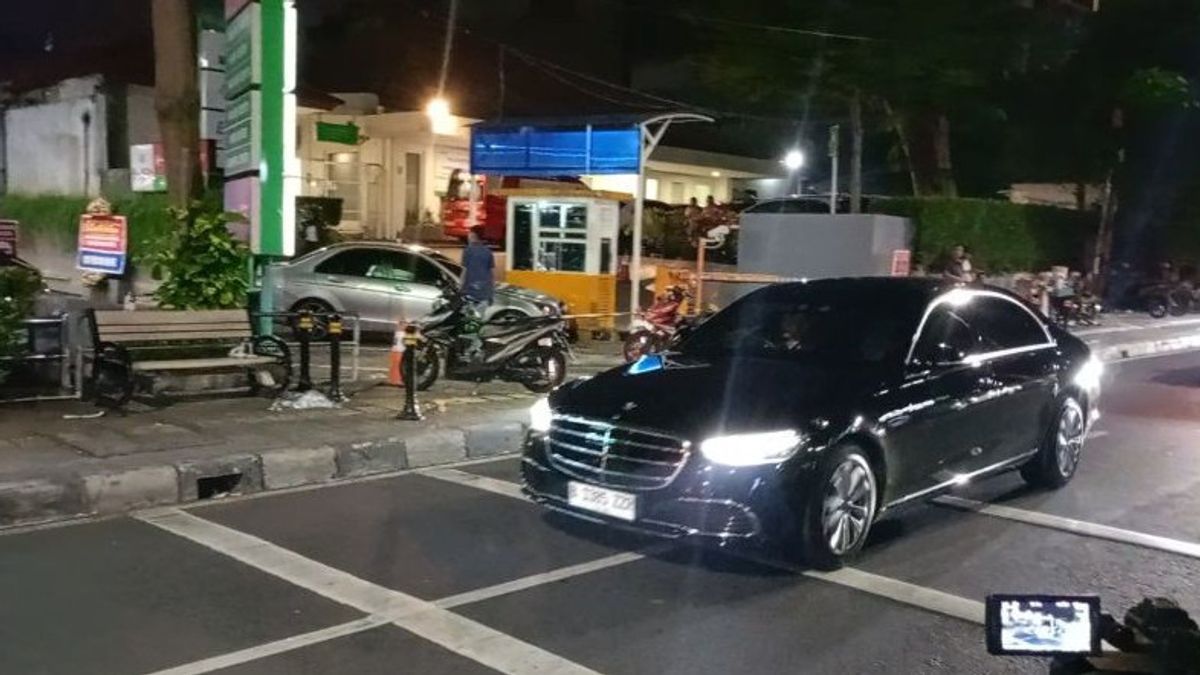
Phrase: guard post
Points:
(335, 358)
(304, 324)
(411, 412)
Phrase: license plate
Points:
(601, 500)
(546, 342)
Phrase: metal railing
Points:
(352, 318)
(70, 375)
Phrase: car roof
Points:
(908, 289)
(390, 245)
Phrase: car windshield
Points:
(806, 324)
(453, 267)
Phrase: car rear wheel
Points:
(320, 324)
(841, 508)
(1058, 458)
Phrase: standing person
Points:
(454, 187)
(691, 218)
(959, 266)
(478, 285)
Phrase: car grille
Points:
(614, 455)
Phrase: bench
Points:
(117, 335)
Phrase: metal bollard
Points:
(305, 325)
(411, 412)
(335, 358)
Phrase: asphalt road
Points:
(447, 571)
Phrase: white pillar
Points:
(635, 261)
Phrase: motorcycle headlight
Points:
(752, 449)
(540, 416)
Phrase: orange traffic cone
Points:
(395, 378)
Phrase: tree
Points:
(919, 65)
(177, 96)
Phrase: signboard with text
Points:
(262, 172)
(147, 168)
(103, 243)
(901, 262)
(9, 233)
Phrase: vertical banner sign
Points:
(260, 121)
(102, 244)
(8, 237)
(901, 262)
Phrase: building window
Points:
(344, 182)
(652, 188)
(562, 237)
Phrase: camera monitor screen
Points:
(1040, 624)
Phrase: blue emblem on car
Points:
(647, 363)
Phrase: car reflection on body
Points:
(803, 412)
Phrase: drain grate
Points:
(210, 487)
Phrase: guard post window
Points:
(562, 237)
(343, 173)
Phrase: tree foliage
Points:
(202, 266)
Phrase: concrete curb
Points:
(73, 492)
(1148, 348)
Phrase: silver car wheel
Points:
(1069, 439)
(849, 505)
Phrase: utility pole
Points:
(833, 156)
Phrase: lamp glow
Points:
(540, 416)
(793, 160)
(751, 449)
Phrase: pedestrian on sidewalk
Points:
(958, 268)
(478, 283)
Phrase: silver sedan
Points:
(385, 283)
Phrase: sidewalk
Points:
(55, 465)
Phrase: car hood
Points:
(696, 399)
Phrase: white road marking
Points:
(1079, 527)
(543, 578)
(500, 487)
(1143, 357)
(459, 634)
(1099, 433)
(277, 647)
(900, 591)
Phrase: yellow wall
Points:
(583, 293)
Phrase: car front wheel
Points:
(841, 508)
(1058, 458)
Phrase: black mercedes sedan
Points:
(803, 412)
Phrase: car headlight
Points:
(549, 310)
(540, 415)
(751, 449)
(1088, 376)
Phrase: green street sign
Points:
(261, 169)
(346, 134)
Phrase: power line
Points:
(771, 28)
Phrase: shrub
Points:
(18, 286)
(202, 265)
(1001, 236)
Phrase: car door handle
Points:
(335, 280)
(402, 288)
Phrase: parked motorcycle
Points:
(532, 351)
(1077, 310)
(656, 325)
(1162, 299)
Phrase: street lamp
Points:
(440, 119)
(793, 160)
